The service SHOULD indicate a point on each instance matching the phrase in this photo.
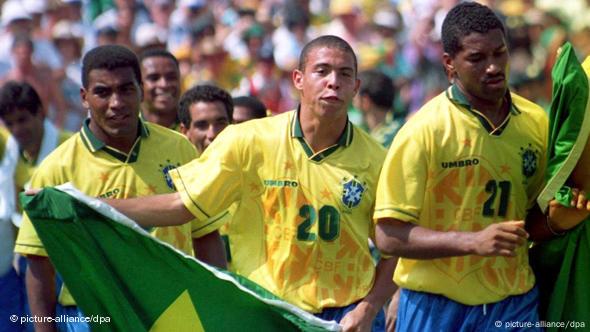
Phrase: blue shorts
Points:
(421, 312)
(12, 302)
(336, 314)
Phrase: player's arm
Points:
(559, 218)
(210, 249)
(361, 318)
(404, 239)
(157, 210)
(40, 282)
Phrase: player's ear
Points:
(449, 66)
(83, 94)
(297, 77)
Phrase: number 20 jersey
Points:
(303, 219)
(449, 169)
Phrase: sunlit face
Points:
(480, 68)
(161, 84)
(328, 82)
(208, 119)
(113, 98)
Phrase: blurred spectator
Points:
(16, 21)
(25, 70)
(68, 39)
(290, 37)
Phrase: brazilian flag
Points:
(115, 269)
(562, 264)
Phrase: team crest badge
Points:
(529, 161)
(165, 169)
(352, 193)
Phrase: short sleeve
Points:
(401, 186)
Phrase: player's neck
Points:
(495, 112)
(322, 132)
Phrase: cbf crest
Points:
(352, 192)
(165, 169)
(529, 160)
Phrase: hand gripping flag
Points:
(115, 269)
(562, 264)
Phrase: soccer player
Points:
(21, 110)
(375, 101)
(305, 186)
(115, 154)
(456, 186)
(248, 108)
(161, 87)
(204, 111)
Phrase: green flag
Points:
(115, 269)
(562, 264)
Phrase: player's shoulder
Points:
(528, 108)
(366, 143)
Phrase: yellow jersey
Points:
(303, 219)
(102, 171)
(449, 169)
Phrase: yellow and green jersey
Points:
(26, 166)
(449, 169)
(303, 219)
(99, 170)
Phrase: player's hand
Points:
(391, 315)
(500, 239)
(360, 319)
(563, 218)
(32, 191)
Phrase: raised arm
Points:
(403, 239)
(157, 210)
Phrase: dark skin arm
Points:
(361, 318)
(395, 237)
(560, 218)
(40, 282)
(210, 249)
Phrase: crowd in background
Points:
(249, 47)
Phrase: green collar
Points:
(344, 140)
(94, 144)
(456, 96)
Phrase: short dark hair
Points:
(157, 53)
(109, 57)
(378, 87)
(328, 41)
(206, 93)
(19, 95)
(465, 18)
(256, 107)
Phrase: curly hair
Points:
(206, 93)
(465, 18)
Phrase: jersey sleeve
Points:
(27, 241)
(401, 186)
(210, 184)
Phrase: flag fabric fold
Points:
(562, 264)
(115, 269)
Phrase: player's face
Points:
(24, 126)
(241, 114)
(161, 84)
(208, 119)
(480, 68)
(328, 82)
(113, 98)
